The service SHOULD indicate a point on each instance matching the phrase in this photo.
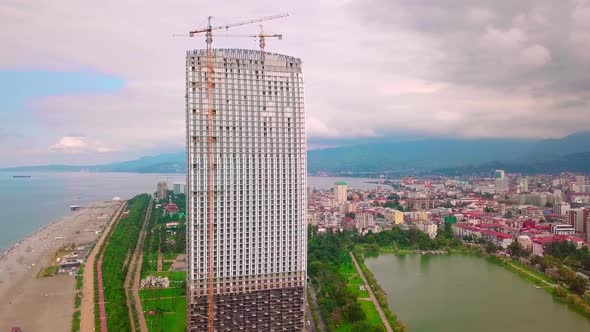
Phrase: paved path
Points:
(533, 275)
(321, 324)
(138, 263)
(160, 260)
(87, 306)
(373, 298)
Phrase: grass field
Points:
(165, 308)
(165, 314)
(372, 319)
(348, 270)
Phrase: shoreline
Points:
(52, 298)
(13, 248)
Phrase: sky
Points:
(91, 82)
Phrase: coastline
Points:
(51, 298)
(13, 248)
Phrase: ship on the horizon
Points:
(21, 176)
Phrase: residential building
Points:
(428, 227)
(398, 217)
(364, 220)
(258, 201)
(577, 218)
(580, 183)
(563, 229)
(179, 188)
(350, 207)
(162, 192)
(170, 209)
(502, 183)
(340, 192)
(561, 208)
(523, 185)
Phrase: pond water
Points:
(461, 293)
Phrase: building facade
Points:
(340, 192)
(179, 188)
(577, 219)
(502, 183)
(162, 192)
(259, 198)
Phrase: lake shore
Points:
(46, 303)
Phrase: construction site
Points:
(246, 177)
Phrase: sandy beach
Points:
(46, 304)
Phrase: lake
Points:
(31, 203)
(461, 293)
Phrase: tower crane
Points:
(208, 31)
(261, 37)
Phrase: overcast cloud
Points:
(402, 68)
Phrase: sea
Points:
(30, 203)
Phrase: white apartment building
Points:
(259, 191)
(340, 192)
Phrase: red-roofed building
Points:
(170, 209)
(539, 243)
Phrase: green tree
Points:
(579, 285)
(491, 248)
(517, 250)
(353, 312)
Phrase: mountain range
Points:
(426, 156)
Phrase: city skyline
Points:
(474, 69)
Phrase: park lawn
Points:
(166, 266)
(355, 289)
(372, 318)
(355, 280)
(372, 315)
(170, 314)
(347, 268)
(161, 292)
(170, 256)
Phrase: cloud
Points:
(78, 144)
(372, 68)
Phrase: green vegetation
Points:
(412, 239)
(570, 254)
(49, 271)
(574, 301)
(121, 242)
(343, 304)
(76, 321)
(165, 308)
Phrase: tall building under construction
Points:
(245, 112)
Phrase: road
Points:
(322, 324)
(371, 295)
(134, 274)
(87, 305)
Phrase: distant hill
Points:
(448, 156)
(423, 154)
(572, 144)
(575, 163)
(163, 163)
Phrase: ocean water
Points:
(28, 204)
(31, 203)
